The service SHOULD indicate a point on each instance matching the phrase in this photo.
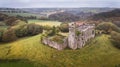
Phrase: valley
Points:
(21, 36)
(99, 52)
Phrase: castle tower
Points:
(72, 41)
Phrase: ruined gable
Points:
(85, 31)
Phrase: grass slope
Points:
(99, 53)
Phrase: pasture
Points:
(22, 14)
(45, 22)
(99, 53)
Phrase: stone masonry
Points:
(87, 31)
(74, 41)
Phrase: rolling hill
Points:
(99, 53)
(113, 15)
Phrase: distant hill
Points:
(113, 15)
(71, 10)
(110, 16)
(64, 17)
(18, 12)
(12, 10)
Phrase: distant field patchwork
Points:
(23, 14)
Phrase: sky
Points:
(59, 3)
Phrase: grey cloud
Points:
(59, 3)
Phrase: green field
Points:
(23, 14)
(45, 22)
(99, 53)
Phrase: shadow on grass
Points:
(15, 63)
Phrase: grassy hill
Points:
(113, 15)
(99, 53)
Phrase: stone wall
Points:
(55, 45)
(87, 32)
(73, 40)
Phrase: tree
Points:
(115, 37)
(9, 35)
(10, 21)
(107, 27)
(64, 27)
(34, 29)
(64, 17)
(47, 27)
(21, 31)
(52, 32)
(1, 34)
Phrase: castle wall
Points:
(79, 41)
(55, 45)
(73, 41)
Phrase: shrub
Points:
(77, 33)
(9, 35)
(52, 32)
(47, 27)
(1, 34)
(21, 31)
(115, 37)
(28, 30)
(34, 29)
(108, 27)
(58, 39)
(64, 27)
(10, 21)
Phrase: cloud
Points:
(59, 3)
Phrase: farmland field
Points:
(99, 53)
(22, 14)
(45, 22)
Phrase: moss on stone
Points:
(58, 39)
(77, 33)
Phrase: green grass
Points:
(15, 64)
(45, 22)
(99, 53)
(58, 39)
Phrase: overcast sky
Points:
(59, 3)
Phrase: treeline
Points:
(15, 32)
(16, 28)
(27, 17)
(111, 16)
(12, 34)
(12, 10)
(64, 17)
(11, 20)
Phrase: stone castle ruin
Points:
(79, 34)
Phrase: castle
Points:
(79, 34)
